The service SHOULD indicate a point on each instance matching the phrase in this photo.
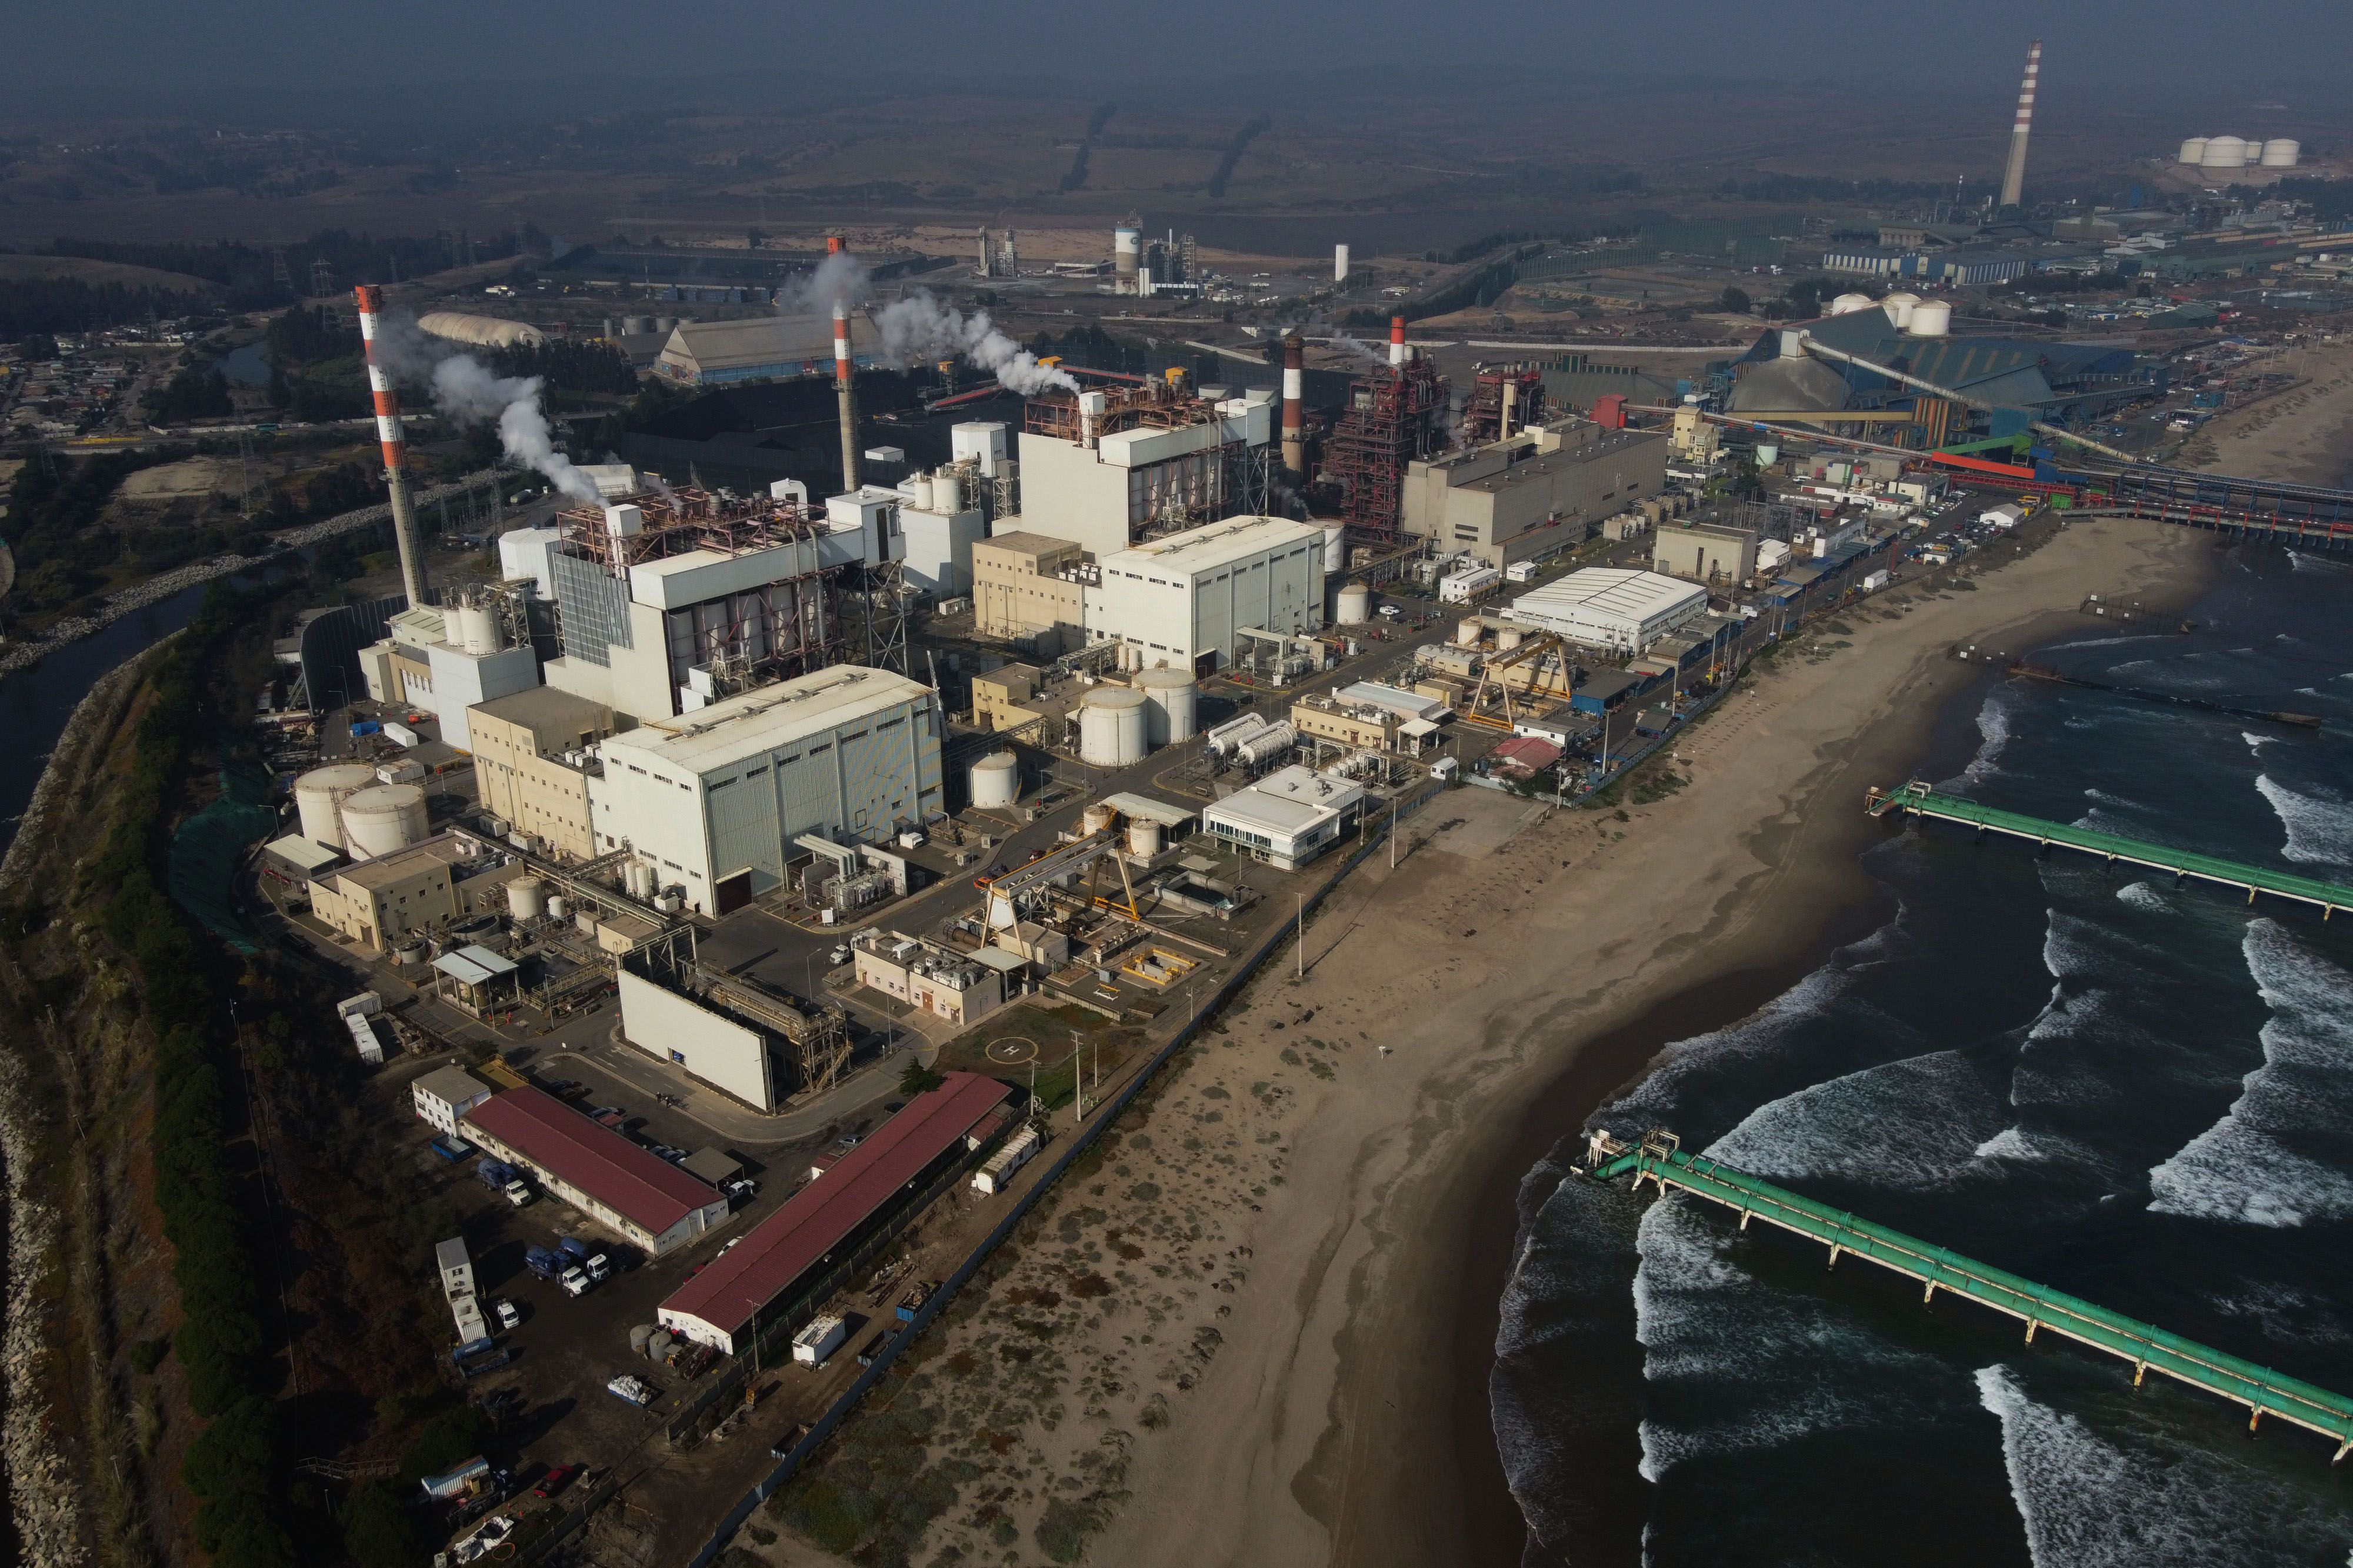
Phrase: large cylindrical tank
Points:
(318, 797)
(1126, 252)
(1469, 630)
(2224, 153)
(2193, 152)
(558, 908)
(1507, 638)
(1335, 549)
(1354, 604)
(2282, 153)
(1170, 695)
(924, 493)
(1144, 837)
(1898, 307)
(1098, 818)
(476, 629)
(1932, 319)
(1846, 303)
(379, 820)
(1768, 454)
(1270, 742)
(526, 898)
(1112, 729)
(996, 780)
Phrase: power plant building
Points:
(761, 348)
(1031, 590)
(715, 800)
(532, 765)
(1104, 469)
(1534, 493)
(1184, 600)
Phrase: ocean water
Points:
(2133, 1091)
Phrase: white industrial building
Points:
(1101, 489)
(1286, 818)
(445, 1094)
(686, 1034)
(1186, 598)
(1611, 607)
(445, 660)
(712, 801)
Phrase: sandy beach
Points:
(2298, 435)
(1259, 1331)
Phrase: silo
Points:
(1126, 249)
(1170, 699)
(318, 797)
(477, 629)
(1112, 726)
(382, 819)
(1469, 631)
(1098, 818)
(1335, 549)
(2224, 153)
(2193, 152)
(1899, 307)
(2282, 153)
(1144, 837)
(1354, 606)
(996, 780)
(1847, 303)
(1506, 639)
(526, 898)
(1932, 319)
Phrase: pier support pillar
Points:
(1835, 1250)
(2030, 1326)
(1929, 1294)
(1744, 1219)
(2254, 1415)
(2140, 1370)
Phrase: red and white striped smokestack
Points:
(1397, 340)
(1294, 403)
(396, 450)
(844, 381)
(2013, 179)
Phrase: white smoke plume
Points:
(1349, 346)
(919, 328)
(840, 278)
(468, 393)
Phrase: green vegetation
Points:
(919, 1079)
(191, 393)
(251, 273)
(43, 306)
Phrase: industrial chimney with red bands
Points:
(396, 450)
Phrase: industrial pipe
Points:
(396, 450)
(845, 389)
(1805, 340)
(1294, 406)
(1397, 340)
(2013, 178)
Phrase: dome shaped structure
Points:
(488, 331)
(2282, 153)
(2224, 153)
(2193, 152)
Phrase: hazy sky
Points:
(263, 60)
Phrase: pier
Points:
(1921, 800)
(1658, 1158)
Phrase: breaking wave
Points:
(2319, 831)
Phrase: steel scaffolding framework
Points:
(1394, 418)
(1482, 415)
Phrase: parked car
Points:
(506, 1312)
(741, 1187)
(557, 1480)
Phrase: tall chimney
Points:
(1294, 406)
(844, 387)
(395, 451)
(1397, 340)
(2013, 179)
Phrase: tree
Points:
(280, 394)
(1736, 302)
(919, 1079)
(379, 1530)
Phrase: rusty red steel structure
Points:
(1395, 416)
(1483, 414)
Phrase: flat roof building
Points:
(627, 1188)
(1611, 607)
(715, 800)
(531, 764)
(1184, 600)
(383, 902)
(1286, 818)
(445, 1094)
(758, 1282)
(1027, 589)
(1534, 493)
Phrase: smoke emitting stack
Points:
(2013, 179)
(1294, 406)
(844, 387)
(1397, 340)
(396, 450)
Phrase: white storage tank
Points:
(526, 899)
(996, 780)
(1170, 698)
(1469, 630)
(2282, 153)
(1112, 729)
(558, 909)
(1271, 741)
(2193, 152)
(1847, 303)
(1932, 319)
(1224, 738)
(318, 797)
(1898, 307)
(1354, 605)
(2224, 153)
(1144, 838)
(1507, 638)
(1336, 545)
(382, 818)
(477, 629)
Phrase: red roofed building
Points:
(1523, 754)
(723, 1303)
(619, 1184)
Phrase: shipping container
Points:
(814, 1344)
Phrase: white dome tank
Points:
(2224, 153)
(996, 780)
(2282, 153)
(1846, 304)
(1899, 307)
(526, 898)
(1932, 319)
(318, 797)
(1354, 605)
(1112, 728)
(2193, 152)
(380, 820)
(1171, 696)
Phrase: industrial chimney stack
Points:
(1295, 404)
(395, 451)
(2013, 179)
(844, 387)
(1397, 341)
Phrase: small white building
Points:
(446, 1094)
(1612, 608)
(2004, 517)
(1286, 818)
(1101, 491)
(715, 800)
(1184, 600)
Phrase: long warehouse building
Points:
(714, 800)
(782, 1255)
(1611, 607)
(626, 1188)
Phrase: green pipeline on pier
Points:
(1921, 800)
(1660, 1158)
